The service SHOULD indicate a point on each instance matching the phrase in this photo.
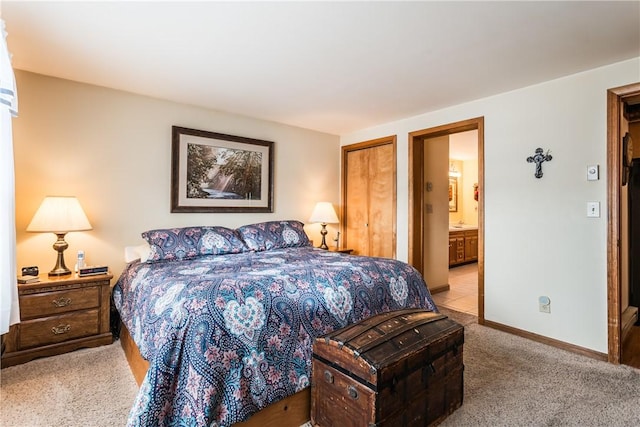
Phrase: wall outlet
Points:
(544, 304)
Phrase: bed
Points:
(225, 319)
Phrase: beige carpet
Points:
(89, 387)
(509, 381)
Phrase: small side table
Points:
(58, 315)
(342, 250)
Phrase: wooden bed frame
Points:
(292, 411)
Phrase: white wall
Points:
(112, 150)
(538, 240)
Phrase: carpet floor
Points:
(88, 387)
(508, 381)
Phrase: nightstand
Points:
(342, 251)
(58, 315)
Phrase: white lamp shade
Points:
(59, 215)
(324, 213)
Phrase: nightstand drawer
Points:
(41, 305)
(51, 330)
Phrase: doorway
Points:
(617, 224)
(419, 240)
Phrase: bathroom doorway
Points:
(462, 294)
(446, 224)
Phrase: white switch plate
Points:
(593, 209)
(593, 172)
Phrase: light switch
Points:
(593, 209)
(593, 172)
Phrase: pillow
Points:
(191, 242)
(220, 241)
(274, 235)
(141, 252)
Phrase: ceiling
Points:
(334, 67)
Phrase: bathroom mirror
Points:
(453, 194)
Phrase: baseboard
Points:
(548, 341)
(438, 289)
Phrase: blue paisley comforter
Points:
(227, 335)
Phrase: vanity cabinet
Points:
(463, 246)
(456, 248)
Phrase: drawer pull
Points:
(61, 302)
(353, 393)
(61, 329)
(328, 377)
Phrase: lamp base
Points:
(324, 232)
(59, 272)
(60, 268)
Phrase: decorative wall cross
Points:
(538, 159)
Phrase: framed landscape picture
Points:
(214, 172)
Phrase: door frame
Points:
(615, 98)
(416, 194)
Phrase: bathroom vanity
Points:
(463, 244)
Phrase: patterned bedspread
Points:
(227, 335)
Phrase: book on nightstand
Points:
(28, 279)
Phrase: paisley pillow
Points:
(220, 241)
(168, 244)
(264, 236)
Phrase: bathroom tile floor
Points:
(463, 293)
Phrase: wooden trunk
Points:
(402, 368)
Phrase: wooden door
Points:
(356, 217)
(381, 206)
(369, 201)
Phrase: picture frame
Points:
(453, 194)
(215, 172)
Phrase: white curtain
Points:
(9, 310)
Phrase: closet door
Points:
(382, 198)
(369, 197)
(356, 217)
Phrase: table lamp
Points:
(324, 214)
(59, 215)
